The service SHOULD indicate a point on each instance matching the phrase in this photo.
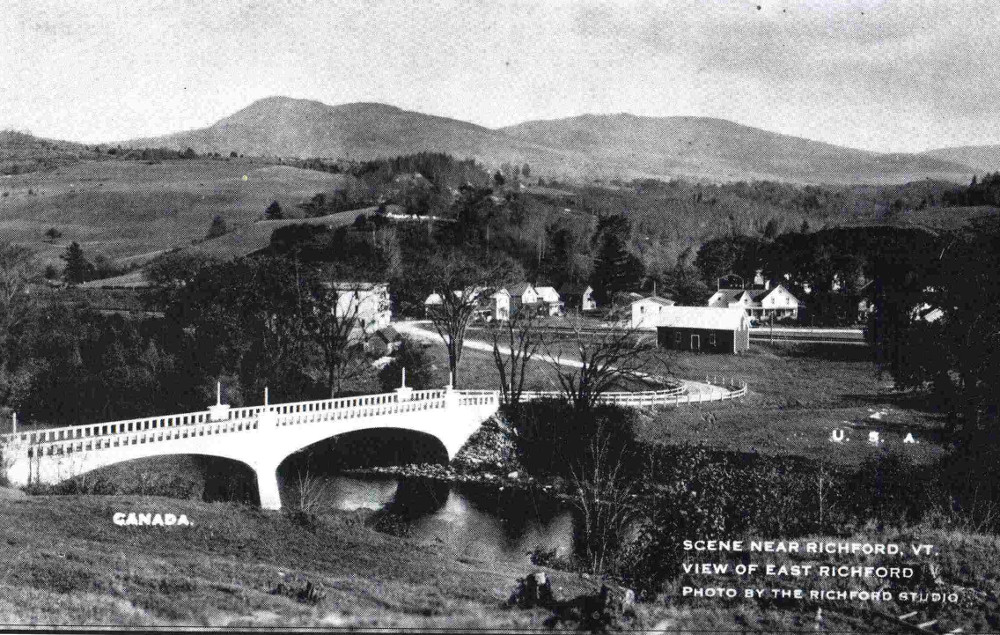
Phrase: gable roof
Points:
(729, 294)
(519, 288)
(702, 317)
(548, 292)
(655, 299)
(782, 287)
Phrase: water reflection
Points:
(478, 521)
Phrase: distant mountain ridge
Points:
(982, 158)
(586, 146)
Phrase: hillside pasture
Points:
(797, 395)
(128, 209)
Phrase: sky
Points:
(890, 76)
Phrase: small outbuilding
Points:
(702, 328)
(646, 312)
(578, 297)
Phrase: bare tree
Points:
(602, 358)
(17, 270)
(515, 343)
(338, 326)
(607, 499)
(461, 287)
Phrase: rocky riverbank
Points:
(489, 456)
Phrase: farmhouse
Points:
(549, 297)
(521, 294)
(578, 296)
(367, 303)
(646, 312)
(700, 328)
(777, 302)
(489, 306)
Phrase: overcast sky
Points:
(902, 75)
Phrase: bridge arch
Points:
(368, 447)
(261, 437)
(207, 476)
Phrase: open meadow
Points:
(136, 209)
(798, 393)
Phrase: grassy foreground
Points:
(64, 562)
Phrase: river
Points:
(481, 521)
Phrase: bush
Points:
(552, 438)
(413, 356)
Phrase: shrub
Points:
(413, 356)
(553, 438)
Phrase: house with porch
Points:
(777, 302)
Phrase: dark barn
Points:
(704, 329)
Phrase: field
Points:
(134, 210)
(67, 563)
(798, 394)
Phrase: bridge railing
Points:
(110, 428)
(375, 405)
(155, 435)
(182, 426)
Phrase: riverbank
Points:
(66, 562)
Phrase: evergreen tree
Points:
(78, 269)
(615, 268)
(274, 212)
(217, 228)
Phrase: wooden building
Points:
(701, 328)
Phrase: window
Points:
(711, 339)
(677, 338)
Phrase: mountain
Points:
(982, 158)
(587, 146)
(281, 126)
(702, 147)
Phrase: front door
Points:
(695, 342)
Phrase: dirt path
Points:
(423, 330)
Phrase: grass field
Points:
(798, 394)
(129, 209)
(66, 563)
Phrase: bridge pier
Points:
(267, 485)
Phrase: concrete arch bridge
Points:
(258, 436)
(264, 436)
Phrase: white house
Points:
(777, 302)
(367, 303)
(499, 306)
(495, 306)
(578, 296)
(550, 297)
(647, 311)
(522, 293)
